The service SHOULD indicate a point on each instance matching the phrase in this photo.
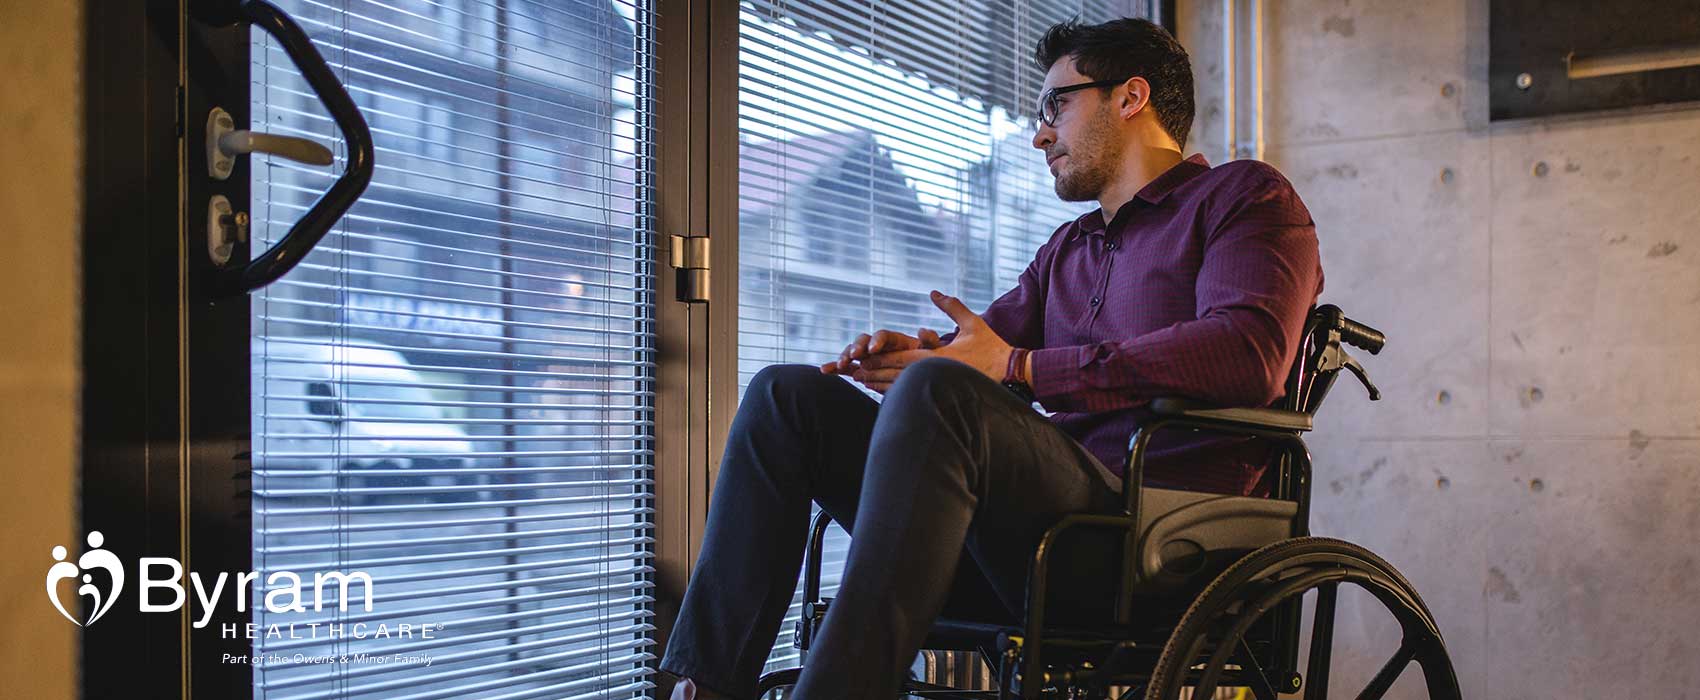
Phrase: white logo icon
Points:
(95, 558)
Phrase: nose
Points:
(1043, 136)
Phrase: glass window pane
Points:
(881, 158)
(453, 393)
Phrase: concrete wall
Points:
(1534, 466)
(40, 200)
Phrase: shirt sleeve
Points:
(1259, 277)
(1019, 315)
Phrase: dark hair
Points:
(1125, 48)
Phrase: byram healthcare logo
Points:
(283, 595)
(95, 558)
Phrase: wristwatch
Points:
(1015, 375)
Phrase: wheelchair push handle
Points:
(1357, 334)
(1362, 336)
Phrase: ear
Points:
(1134, 95)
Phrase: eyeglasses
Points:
(1048, 103)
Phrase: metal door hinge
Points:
(689, 258)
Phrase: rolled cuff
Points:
(1056, 379)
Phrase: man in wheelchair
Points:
(1188, 281)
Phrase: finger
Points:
(887, 341)
(956, 310)
(834, 368)
(884, 359)
(929, 338)
(845, 359)
(877, 376)
(880, 338)
(859, 349)
(899, 359)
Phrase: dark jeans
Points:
(946, 488)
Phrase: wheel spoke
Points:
(1390, 672)
(1253, 671)
(1321, 643)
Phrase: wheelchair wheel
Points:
(1211, 634)
(780, 681)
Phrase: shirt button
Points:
(1094, 301)
(1114, 245)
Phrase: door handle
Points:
(225, 142)
(357, 174)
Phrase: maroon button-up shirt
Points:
(1198, 289)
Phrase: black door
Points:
(166, 434)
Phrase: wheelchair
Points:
(1243, 562)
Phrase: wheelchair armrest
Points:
(812, 556)
(1255, 418)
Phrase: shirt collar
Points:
(1153, 192)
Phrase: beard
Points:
(1090, 161)
(1082, 182)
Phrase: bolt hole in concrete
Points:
(1537, 485)
(1448, 90)
(1442, 483)
(1535, 394)
(1443, 398)
(1446, 175)
(1541, 169)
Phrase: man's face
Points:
(1085, 147)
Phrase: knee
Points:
(937, 379)
(937, 370)
(781, 385)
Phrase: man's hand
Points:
(975, 345)
(884, 341)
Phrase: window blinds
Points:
(885, 151)
(454, 392)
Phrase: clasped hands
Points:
(877, 360)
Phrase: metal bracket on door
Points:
(688, 256)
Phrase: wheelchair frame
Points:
(1021, 659)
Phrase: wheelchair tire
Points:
(783, 678)
(1210, 633)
